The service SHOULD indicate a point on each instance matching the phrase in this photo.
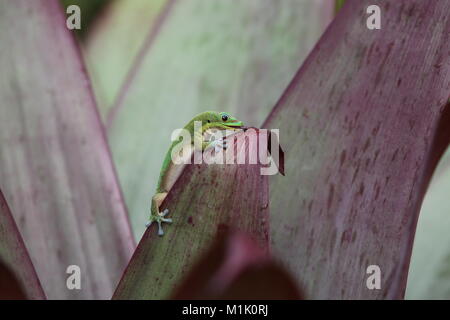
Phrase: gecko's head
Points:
(223, 119)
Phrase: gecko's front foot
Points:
(159, 218)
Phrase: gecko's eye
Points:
(224, 117)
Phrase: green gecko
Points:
(170, 171)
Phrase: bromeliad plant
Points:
(363, 124)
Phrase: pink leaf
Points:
(55, 165)
(363, 123)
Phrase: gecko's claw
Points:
(164, 213)
(159, 219)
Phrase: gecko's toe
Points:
(148, 224)
(165, 213)
(168, 220)
(160, 230)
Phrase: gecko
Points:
(170, 171)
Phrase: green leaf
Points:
(362, 125)
(235, 56)
(235, 268)
(113, 42)
(55, 166)
(204, 199)
(18, 279)
(429, 272)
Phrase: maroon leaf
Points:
(236, 268)
(10, 289)
(205, 198)
(363, 123)
(18, 279)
